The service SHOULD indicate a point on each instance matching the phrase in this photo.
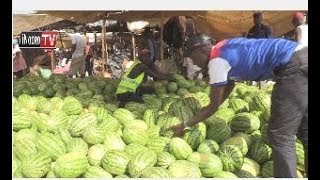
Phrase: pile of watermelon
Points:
(60, 136)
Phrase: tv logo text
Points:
(38, 39)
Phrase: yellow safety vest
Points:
(130, 85)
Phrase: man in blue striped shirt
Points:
(241, 59)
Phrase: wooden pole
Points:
(161, 37)
(103, 40)
(133, 46)
(53, 59)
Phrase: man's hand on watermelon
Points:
(217, 96)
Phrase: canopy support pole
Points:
(133, 46)
(103, 40)
(161, 36)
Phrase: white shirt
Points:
(191, 68)
(15, 50)
(80, 45)
(304, 36)
(218, 70)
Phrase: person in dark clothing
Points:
(89, 60)
(148, 43)
(131, 86)
(259, 30)
(241, 59)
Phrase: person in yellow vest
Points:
(130, 87)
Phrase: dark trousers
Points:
(136, 97)
(89, 65)
(289, 115)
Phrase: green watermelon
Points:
(300, 157)
(196, 135)
(226, 114)
(260, 152)
(113, 141)
(96, 172)
(36, 166)
(136, 124)
(238, 105)
(218, 128)
(71, 165)
(192, 103)
(238, 141)
(140, 162)
(110, 124)
(231, 157)
(150, 117)
(134, 148)
(78, 145)
(24, 148)
(135, 136)
(154, 131)
(245, 122)
(156, 172)
(56, 120)
(165, 159)
(225, 174)
(208, 146)
(123, 115)
(158, 144)
(250, 166)
(179, 148)
(184, 169)
(172, 87)
(261, 102)
(71, 106)
(21, 120)
(208, 163)
(95, 154)
(51, 144)
(82, 122)
(93, 135)
(115, 162)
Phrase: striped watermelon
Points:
(123, 115)
(245, 122)
(165, 159)
(184, 169)
(261, 102)
(140, 162)
(169, 122)
(156, 172)
(300, 157)
(110, 124)
(225, 174)
(51, 144)
(78, 145)
(134, 148)
(238, 141)
(24, 148)
(71, 165)
(136, 124)
(179, 148)
(150, 117)
(250, 166)
(56, 120)
(219, 130)
(244, 174)
(82, 122)
(238, 105)
(208, 163)
(208, 146)
(113, 141)
(56, 103)
(135, 136)
(64, 135)
(192, 103)
(225, 113)
(101, 114)
(21, 120)
(246, 137)
(96, 172)
(95, 154)
(36, 166)
(71, 106)
(181, 111)
(115, 162)
(122, 176)
(93, 135)
(27, 134)
(158, 144)
(196, 135)
(260, 152)
(154, 131)
(231, 157)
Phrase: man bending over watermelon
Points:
(241, 59)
